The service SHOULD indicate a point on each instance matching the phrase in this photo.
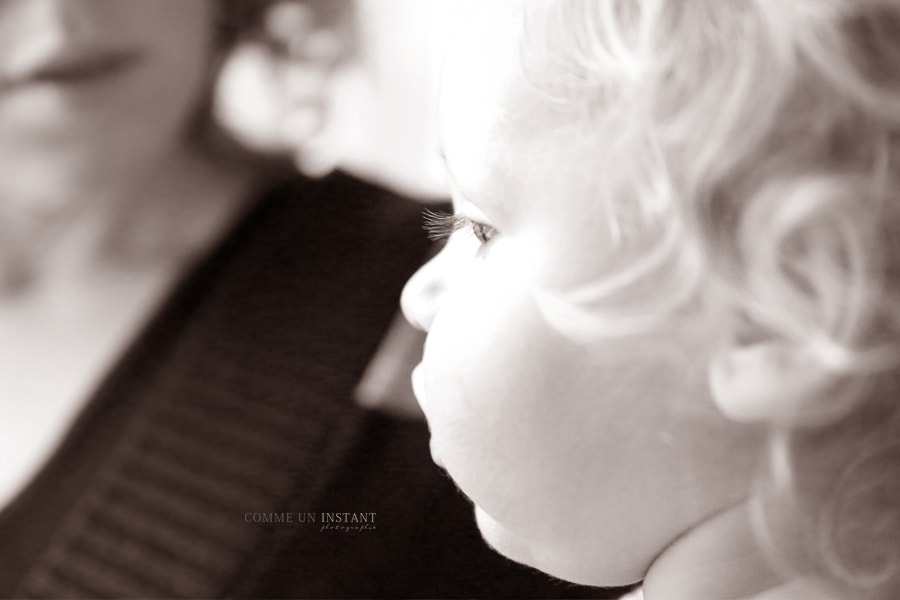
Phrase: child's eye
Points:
(441, 225)
(482, 231)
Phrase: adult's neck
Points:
(160, 217)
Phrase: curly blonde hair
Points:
(749, 152)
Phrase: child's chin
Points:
(503, 541)
(554, 561)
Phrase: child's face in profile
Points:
(583, 463)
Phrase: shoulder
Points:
(340, 203)
(318, 241)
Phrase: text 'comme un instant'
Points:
(330, 521)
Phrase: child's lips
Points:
(418, 385)
(435, 457)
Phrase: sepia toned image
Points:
(450, 299)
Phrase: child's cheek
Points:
(500, 400)
(555, 255)
(467, 366)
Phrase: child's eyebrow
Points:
(454, 182)
(492, 207)
(455, 186)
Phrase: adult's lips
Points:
(69, 67)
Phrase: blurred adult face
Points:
(94, 92)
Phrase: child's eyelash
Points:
(441, 225)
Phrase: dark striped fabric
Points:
(241, 386)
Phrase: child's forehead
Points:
(471, 108)
(495, 124)
(478, 74)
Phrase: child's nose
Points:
(422, 293)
